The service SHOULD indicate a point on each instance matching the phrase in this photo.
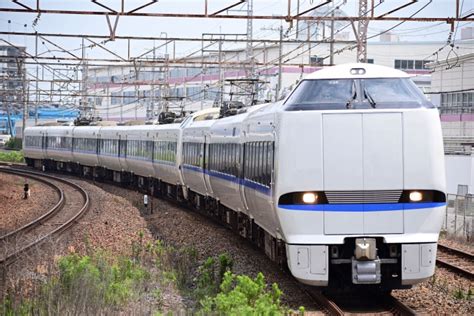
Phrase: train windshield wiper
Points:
(353, 97)
(369, 98)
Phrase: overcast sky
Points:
(193, 27)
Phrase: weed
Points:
(13, 156)
(14, 143)
(242, 295)
(458, 294)
(301, 310)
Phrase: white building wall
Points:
(460, 77)
(459, 171)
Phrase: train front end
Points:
(360, 186)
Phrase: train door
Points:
(123, 151)
(44, 144)
(207, 180)
(242, 176)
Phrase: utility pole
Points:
(280, 53)
(221, 74)
(331, 45)
(249, 50)
(83, 81)
(280, 58)
(362, 32)
(21, 75)
(151, 110)
(37, 79)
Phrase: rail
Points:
(456, 260)
(10, 258)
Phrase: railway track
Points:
(456, 260)
(73, 202)
(352, 304)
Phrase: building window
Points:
(316, 61)
(457, 99)
(404, 64)
(370, 60)
(116, 98)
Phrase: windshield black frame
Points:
(368, 94)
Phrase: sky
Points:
(193, 27)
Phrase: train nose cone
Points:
(365, 159)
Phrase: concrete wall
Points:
(460, 77)
(459, 170)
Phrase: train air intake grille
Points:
(347, 197)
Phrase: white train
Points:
(343, 180)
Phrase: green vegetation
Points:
(14, 143)
(221, 292)
(242, 295)
(84, 284)
(460, 294)
(102, 283)
(211, 275)
(13, 156)
(108, 282)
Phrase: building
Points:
(12, 85)
(452, 85)
(131, 93)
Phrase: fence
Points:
(459, 217)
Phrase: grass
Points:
(13, 156)
(101, 283)
(83, 285)
(14, 143)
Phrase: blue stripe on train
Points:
(377, 207)
(231, 178)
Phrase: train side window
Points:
(245, 160)
(233, 165)
(220, 152)
(269, 163)
(252, 161)
(216, 157)
(225, 168)
(260, 162)
(198, 153)
(255, 161)
(249, 160)
(210, 156)
(186, 153)
(248, 155)
(221, 157)
(263, 161)
(238, 164)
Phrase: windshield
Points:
(341, 94)
(394, 93)
(321, 95)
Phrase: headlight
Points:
(310, 198)
(416, 196)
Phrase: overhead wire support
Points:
(362, 32)
(26, 9)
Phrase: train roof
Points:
(354, 70)
(237, 119)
